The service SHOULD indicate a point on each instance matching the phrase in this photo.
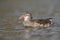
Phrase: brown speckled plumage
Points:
(29, 22)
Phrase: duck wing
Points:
(41, 21)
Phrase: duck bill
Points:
(21, 17)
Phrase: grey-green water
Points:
(10, 10)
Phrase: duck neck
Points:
(27, 19)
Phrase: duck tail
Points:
(50, 18)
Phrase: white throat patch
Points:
(26, 18)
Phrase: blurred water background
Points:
(10, 10)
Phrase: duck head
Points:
(26, 16)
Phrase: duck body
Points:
(38, 23)
(29, 22)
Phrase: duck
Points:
(28, 21)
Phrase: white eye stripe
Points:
(27, 14)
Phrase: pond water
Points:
(10, 10)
